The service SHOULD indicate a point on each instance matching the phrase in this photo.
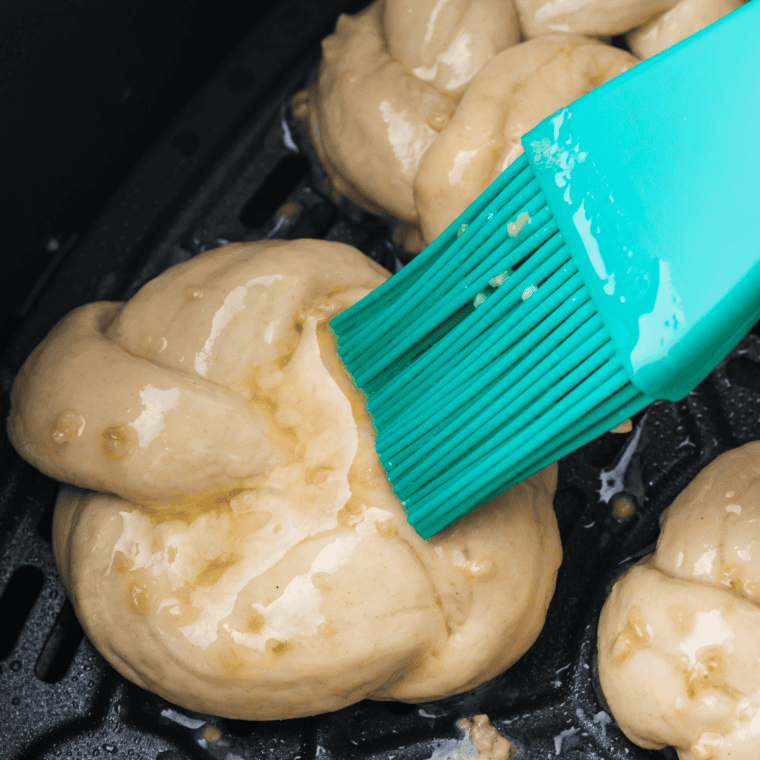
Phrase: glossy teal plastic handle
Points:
(654, 181)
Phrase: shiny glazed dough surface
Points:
(679, 651)
(389, 80)
(516, 90)
(284, 581)
(591, 17)
(684, 19)
(419, 105)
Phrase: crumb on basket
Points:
(489, 743)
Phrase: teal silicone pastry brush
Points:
(616, 262)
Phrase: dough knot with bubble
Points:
(418, 106)
(241, 551)
(679, 653)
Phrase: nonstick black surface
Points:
(221, 173)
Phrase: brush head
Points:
(483, 360)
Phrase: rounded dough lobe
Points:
(302, 589)
(516, 90)
(679, 655)
(591, 17)
(684, 19)
(389, 80)
(87, 412)
(446, 42)
(153, 400)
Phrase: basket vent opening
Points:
(604, 450)
(274, 190)
(569, 504)
(16, 603)
(61, 646)
(239, 727)
(239, 79)
(315, 223)
(186, 142)
(45, 525)
(744, 372)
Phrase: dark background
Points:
(85, 87)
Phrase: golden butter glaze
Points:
(679, 654)
(290, 584)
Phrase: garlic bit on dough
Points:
(679, 650)
(242, 553)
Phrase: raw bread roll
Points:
(591, 17)
(684, 19)
(679, 650)
(516, 90)
(284, 581)
(419, 106)
(389, 80)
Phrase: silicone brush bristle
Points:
(484, 359)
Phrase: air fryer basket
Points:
(236, 166)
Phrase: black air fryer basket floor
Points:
(232, 160)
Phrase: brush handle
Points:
(654, 181)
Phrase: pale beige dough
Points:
(590, 17)
(389, 80)
(684, 19)
(291, 583)
(516, 90)
(419, 105)
(679, 651)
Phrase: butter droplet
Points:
(635, 635)
(255, 621)
(193, 293)
(500, 279)
(274, 646)
(322, 581)
(516, 227)
(438, 120)
(621, 648)
(480, 568)
(211, 733)
(682, 618)
(709, 670)
(623, 507)
(67, 426)
(386, 528)
(326, 630)
(154, 345)
(116, 441)
(638, 625)
(288, 211)
(707, 746)
(230, 660)
(139, 599)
